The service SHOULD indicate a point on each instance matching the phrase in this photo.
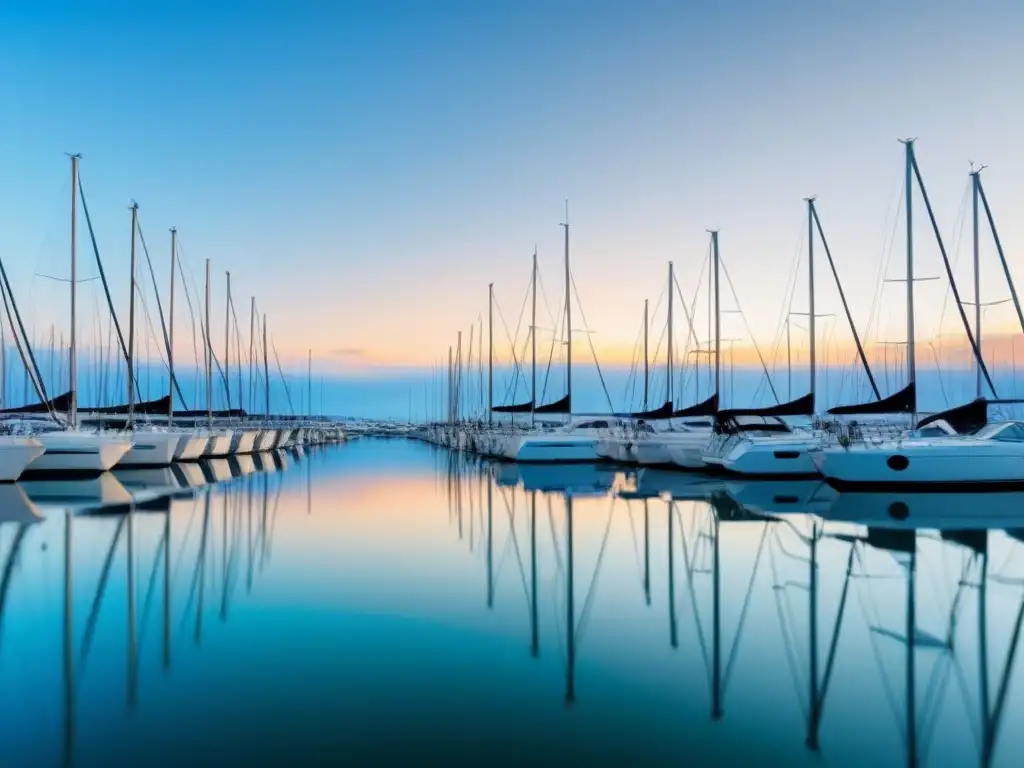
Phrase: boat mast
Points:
(977, 275)
(810, 278)
(131, 320)
(718, 314)
(170, 328)
(309, 385)
(209, 353)
(646, 358)
(668, 381)
(73, 358)
(568, 313)
(266, 368)
(490, 353)
(227, 345)
(252, 354)
(533, 341)
(909, 184)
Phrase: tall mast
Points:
(977, 276)
(309, 386)
(810, 280)
(668, 380)
(909, 184)
(533, 341)
(646, 359)
(170, 328)
(252, 353)
(73, 358)
(568, 313)
(490, 353)
(209, 353)
(131, 319)
(227, 345)
(266, 369)
(451, 389)
(718, 313)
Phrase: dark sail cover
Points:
(518, 408)
(708, 408)
(802, 406)
(559, 406)
(965, 419)
(904, 401)
(665, 412)
(61, 403)
(156, 407)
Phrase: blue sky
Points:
(366, 169)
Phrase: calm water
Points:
(384, 601)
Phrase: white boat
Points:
(574, 443)
(150, 449)
(218, 445)
(73, 452)
(761, 446)
(16, 453)
(191, 446)
(244, 441)
(266, 439)
(992, 458)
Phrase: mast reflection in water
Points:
(389, 601)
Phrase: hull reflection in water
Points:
(565, 617)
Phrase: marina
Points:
(469, 383)
(738, 621)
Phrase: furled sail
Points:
(904, 401)
(61, 404)
(559, 406)
(707, 408)
(802, 406)
(664, 412)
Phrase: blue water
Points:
(384, 601)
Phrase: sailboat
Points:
(575, 442)
(935, 455)
(758, 442)
(70, 450)
(688, 426)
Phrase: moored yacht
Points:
(81, 453)
(150, 448)
(16, 453)
(990, 459)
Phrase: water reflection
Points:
(359, 599)
(825, 556)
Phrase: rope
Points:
(747, 326)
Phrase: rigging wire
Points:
(747, 326)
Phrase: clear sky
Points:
(365, 169)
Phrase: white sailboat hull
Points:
(554, 448)
(764, 457)
(150, 449)
(16, 453)
(950, 464)
(79, 452)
